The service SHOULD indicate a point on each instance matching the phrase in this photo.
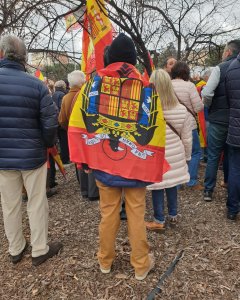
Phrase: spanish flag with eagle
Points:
(117, 125)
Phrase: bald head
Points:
(168, 64)
(13, 48)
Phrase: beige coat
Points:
(188, 95)
(177, 150)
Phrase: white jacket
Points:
(187, 93)
(177, 150)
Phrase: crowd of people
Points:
(35, 114)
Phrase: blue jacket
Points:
(28, 119)
(233, 95)
(219, 110)
(57, 97)
(118, 181)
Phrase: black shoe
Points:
(53, 184)
(84, 196)
(17, 258)
(123, 215)
(24, 198)
(51, 193)
(54, 248)
(232, 217)
(207, 196)
(93, 198)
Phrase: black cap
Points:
(122, 49)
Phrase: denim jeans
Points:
(225, 164)
(158, 203)
(193, 165)
(217, 135)
(233, 202)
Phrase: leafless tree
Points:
(40, 23)
(193, 26)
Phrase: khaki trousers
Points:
(11, 183)
(110, 203)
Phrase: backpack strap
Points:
(189, 110)
(173, 129)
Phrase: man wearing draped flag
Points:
(117, 129)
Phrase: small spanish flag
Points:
(100, 29)
(88, 64)
(71, 22)
(54, 152)
(39, 75)
(145, 74)
(201, 119)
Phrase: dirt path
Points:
(209, 269)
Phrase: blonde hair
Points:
(164, 88)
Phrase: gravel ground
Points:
(208, 270)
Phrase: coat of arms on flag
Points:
(117, 126)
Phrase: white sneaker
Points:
(151, 266)
(105, 271)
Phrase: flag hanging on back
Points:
(100, 28)
(117, 125)
(39, 75)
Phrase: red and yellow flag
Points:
(54, 152)
(71, 22)
(39, 75)
(145, 74)
(100, 29)
(117, 125)
(88, 64)
(201, 119)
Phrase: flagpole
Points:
(73, 47)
